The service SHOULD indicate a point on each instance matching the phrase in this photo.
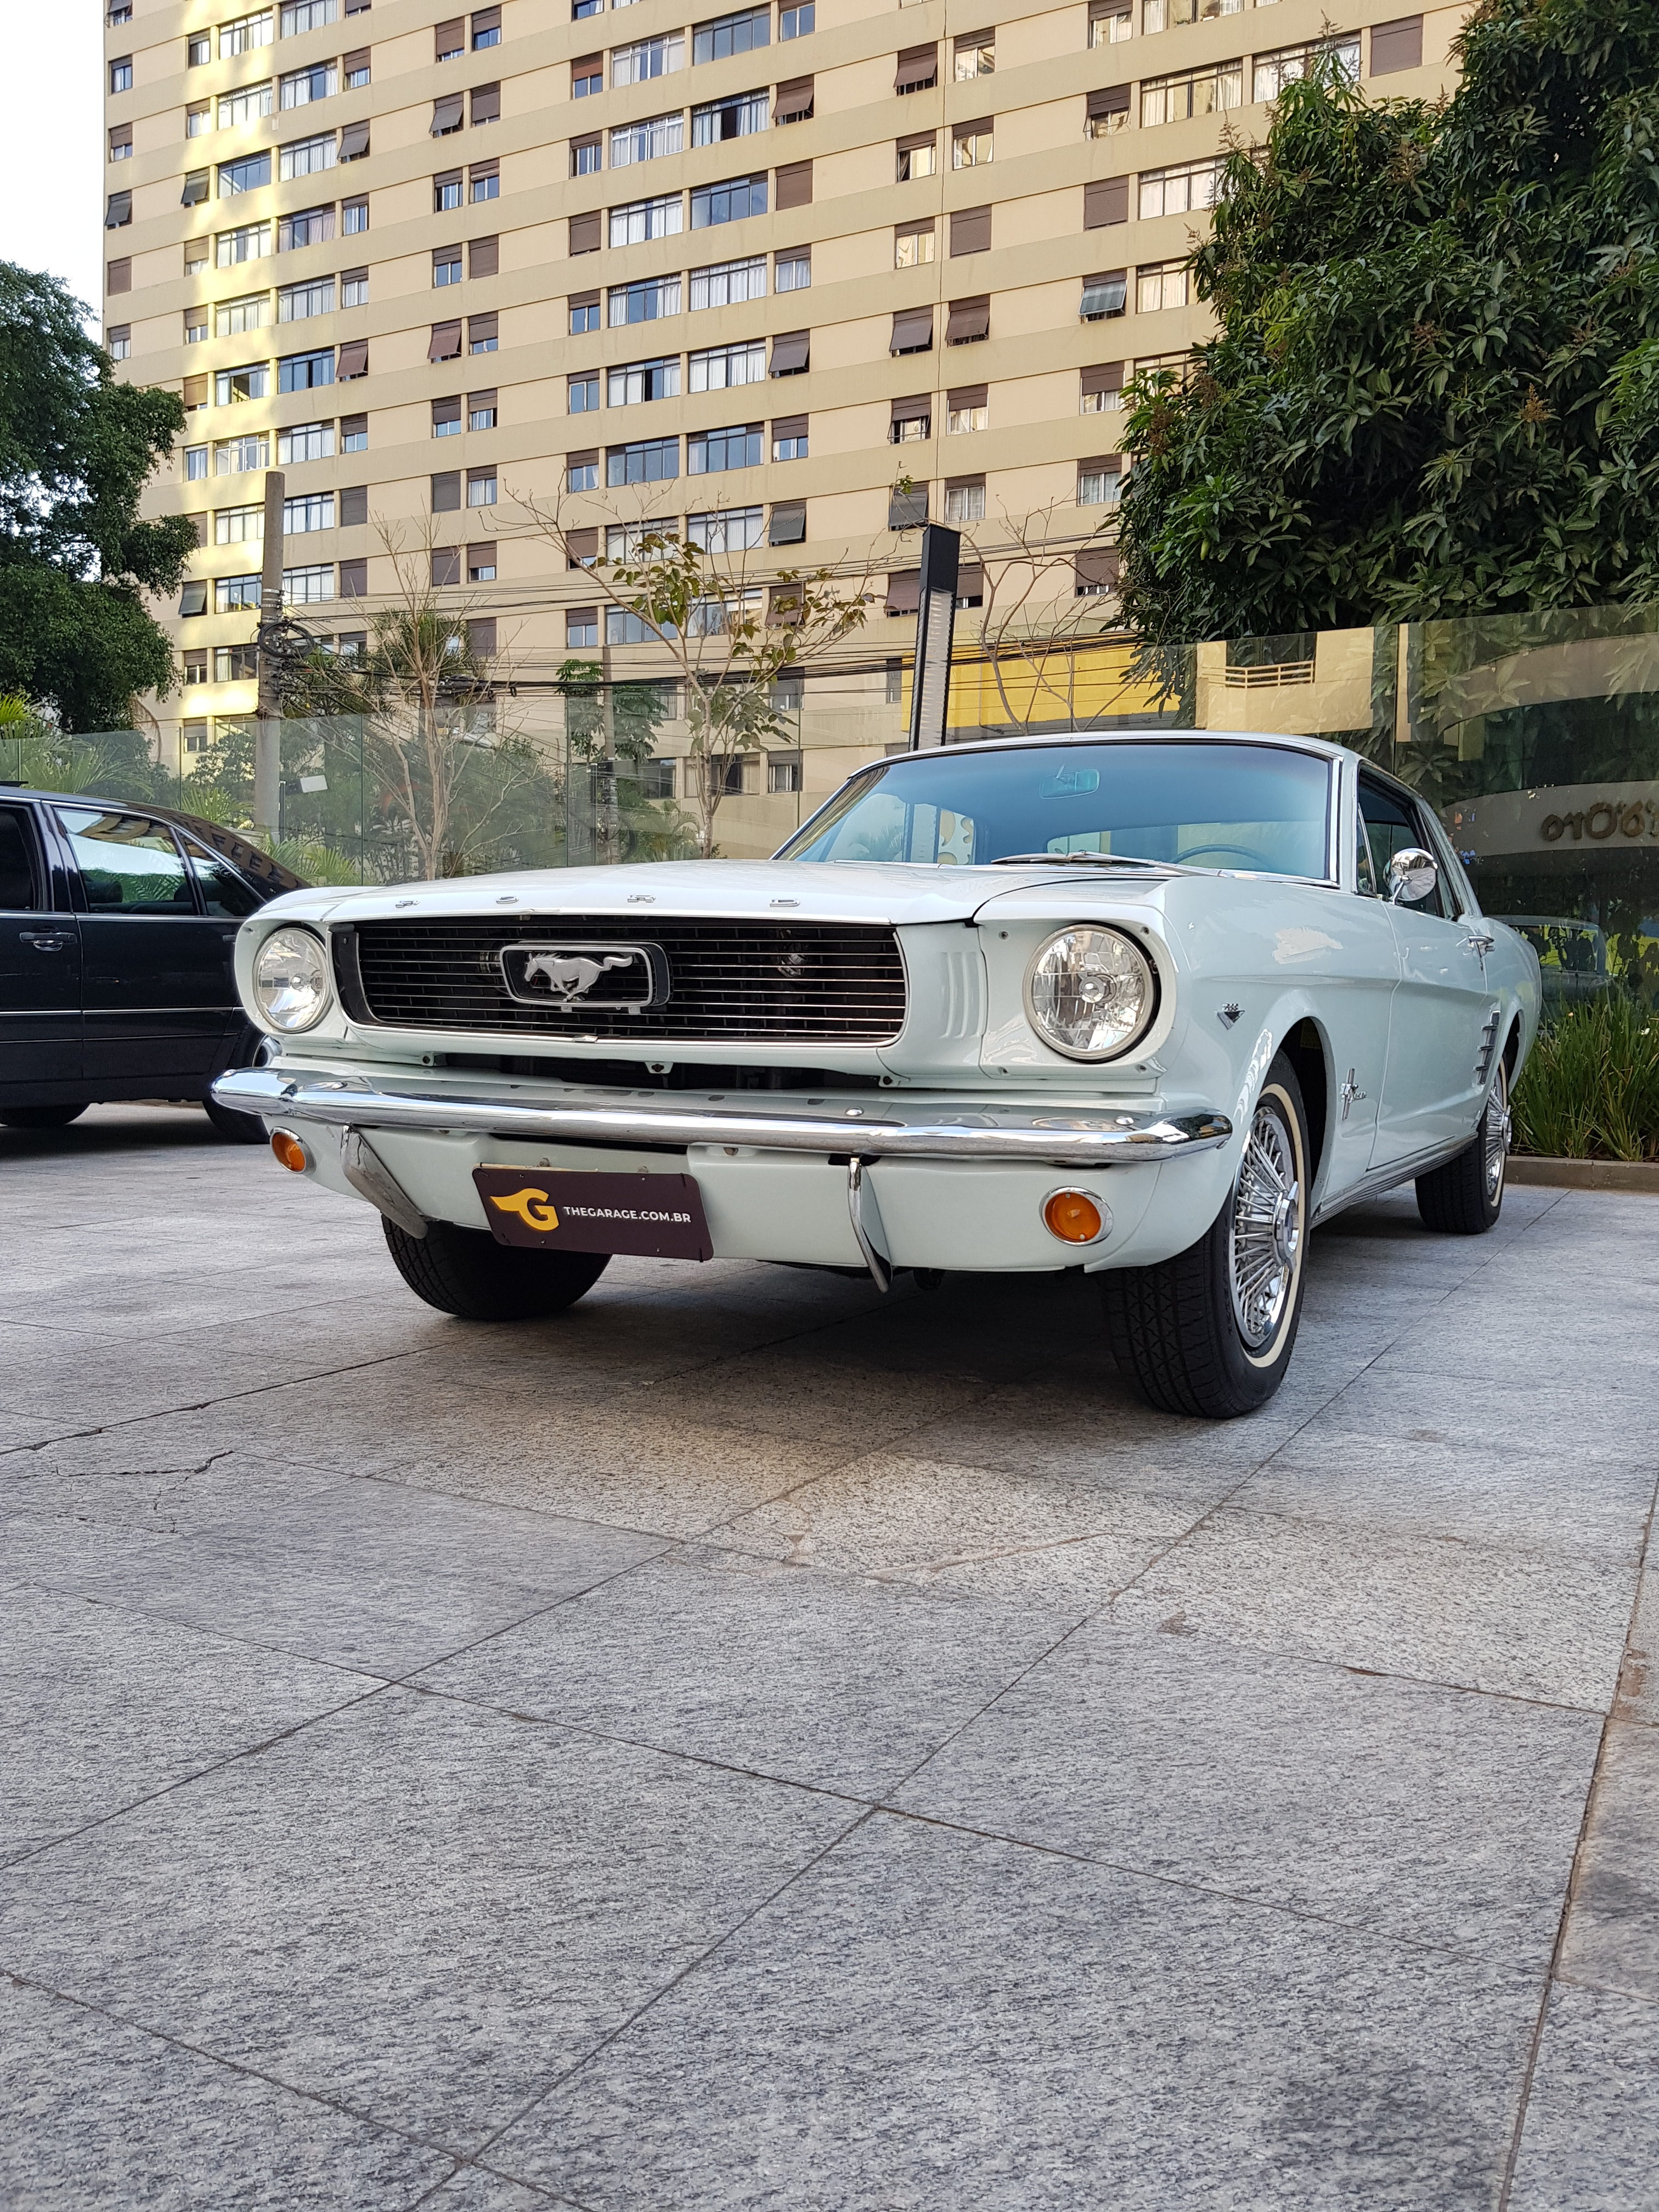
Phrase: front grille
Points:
(799, 982)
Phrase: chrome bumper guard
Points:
(1055, 1138)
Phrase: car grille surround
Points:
(755, 981)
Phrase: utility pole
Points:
(268, 729)
(609, 838)
(936, 617)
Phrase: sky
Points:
(51, 175)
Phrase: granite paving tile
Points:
(425, 1909)
(1551, 1414)
(815, 1678)
(475, 2189)
(1612, 1935)
(928, 2019)
(100, 1707)
(1038, 1539)
(1420, 1812)
(1439, 1609)
(97, 2116)
(1590, 2138)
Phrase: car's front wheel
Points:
(253, 1051)
(1465, 1197)
(466, 1273)
(1210, 1332)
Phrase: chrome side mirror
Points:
(1412, 875)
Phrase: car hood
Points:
(721, 889)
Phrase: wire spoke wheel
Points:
(1266, 1233)
(1495, 1130)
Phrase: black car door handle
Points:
(46, 940)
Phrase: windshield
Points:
(1251, 807)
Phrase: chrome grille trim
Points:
(727, 980)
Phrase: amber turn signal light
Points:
(1073, 1217)
(289, 1150)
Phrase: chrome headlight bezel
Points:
(265, 1013)
(1120, 943)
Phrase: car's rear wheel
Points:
(466, 1273)
(1210, 1333)
(41, 1117)
(1465, 1197)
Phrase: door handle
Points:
(1482, 939)
(46, 940)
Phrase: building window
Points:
(709, 452)
(198, 119)
(739, 116)
(646, 219)
(196, 734)
(247, 106)
(1162, 284)
(244, 34)
(967, 409)
(649, 141)
(120, 73)
(305, 372)
(782, 775)
(236, 664)
(729, 201)
(650, 58)
(306, 586)
(481, 487)
(195, 325)
(304, 441)
(354, 433)
(1195, 91)
(717, 368)
(245, 176)
(912, 423)
(1101, 389)
(354, 68)
(586, 156)
(1107, 110)
(299, 87)
(1104, 296)
(728, 283)
(792, 272)
(119, 341)
(196, 464)
(587, 76)
(250, 241)
(650, 460)
(239, 526)
(1178, 191)
(581, 628)
(584, 313)
(486, 104)
(913, 244)
(309, 510)
(198, 49)
(306, 157)
(729, 530)
(447, 418)
(195, 661)
(449, 40)
(353, 215)
(965, 500)
(296, 302)
(299, 15)
(1099, 483)
(647, 302)
(482, 334)
(636, 382)
(725, 35)
(480, 564)
(447, 191)
(486, 29)
(789, 438)
(354, 287)
(796, 22)
(917, 157)
(582, 471)
(1272, 72)
(485, 180)
(582, 395)
(1110, 21)
(917, 69)
(480, 410)
(230, 592)
(976, 55)
(234, 318)
(121, 143)
(446, 265)
(195, 256)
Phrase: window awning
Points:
(918, 68)
(904, 592)
(193, 600)
(792, 102)
(445, 342)
(788, 526)
(118, 211)
(969, 319)
(1110, 100)
(354, 142)
(916, 409)
(1106, 376)
(196, 189)
(447, 113)
(970, 230)
(1104, 295)
(354, 359)
(913, 331)
(790, 352)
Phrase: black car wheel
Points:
(41, 1117)
(466, 1273)
(1465, 1197)
(1211, 1332)
(253, 1051)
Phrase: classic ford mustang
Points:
(1148, 1004)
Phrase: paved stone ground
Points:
(747, 1744)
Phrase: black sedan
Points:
(116, 924)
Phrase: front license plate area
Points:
(656, 1216)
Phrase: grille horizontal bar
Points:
(795, 982)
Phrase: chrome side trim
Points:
(1067, 1140)
(371, 1178)
(1381, 1181)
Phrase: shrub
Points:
(1590, 1090)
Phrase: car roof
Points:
(230, 844)
(1084, 736)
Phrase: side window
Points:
(1389, 824)
(20, 889)
(225, 892)
(129, 863)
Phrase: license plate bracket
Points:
(553, 1209)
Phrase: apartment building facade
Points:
(792, 278)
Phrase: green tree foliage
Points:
(76, 450)
(1436, 389)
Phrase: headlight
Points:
(1090, 993)
(291, 988)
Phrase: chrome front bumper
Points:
(1059, 1138)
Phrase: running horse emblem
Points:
(571, 977)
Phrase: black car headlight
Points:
(1090, 992)
(292, 989)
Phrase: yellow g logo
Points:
(531, 1207)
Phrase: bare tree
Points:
(1047, 596)
(429, 706)
(727, 626)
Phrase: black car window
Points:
(225, 892)
(20, 893)
(1390, 825)
(129, 863)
